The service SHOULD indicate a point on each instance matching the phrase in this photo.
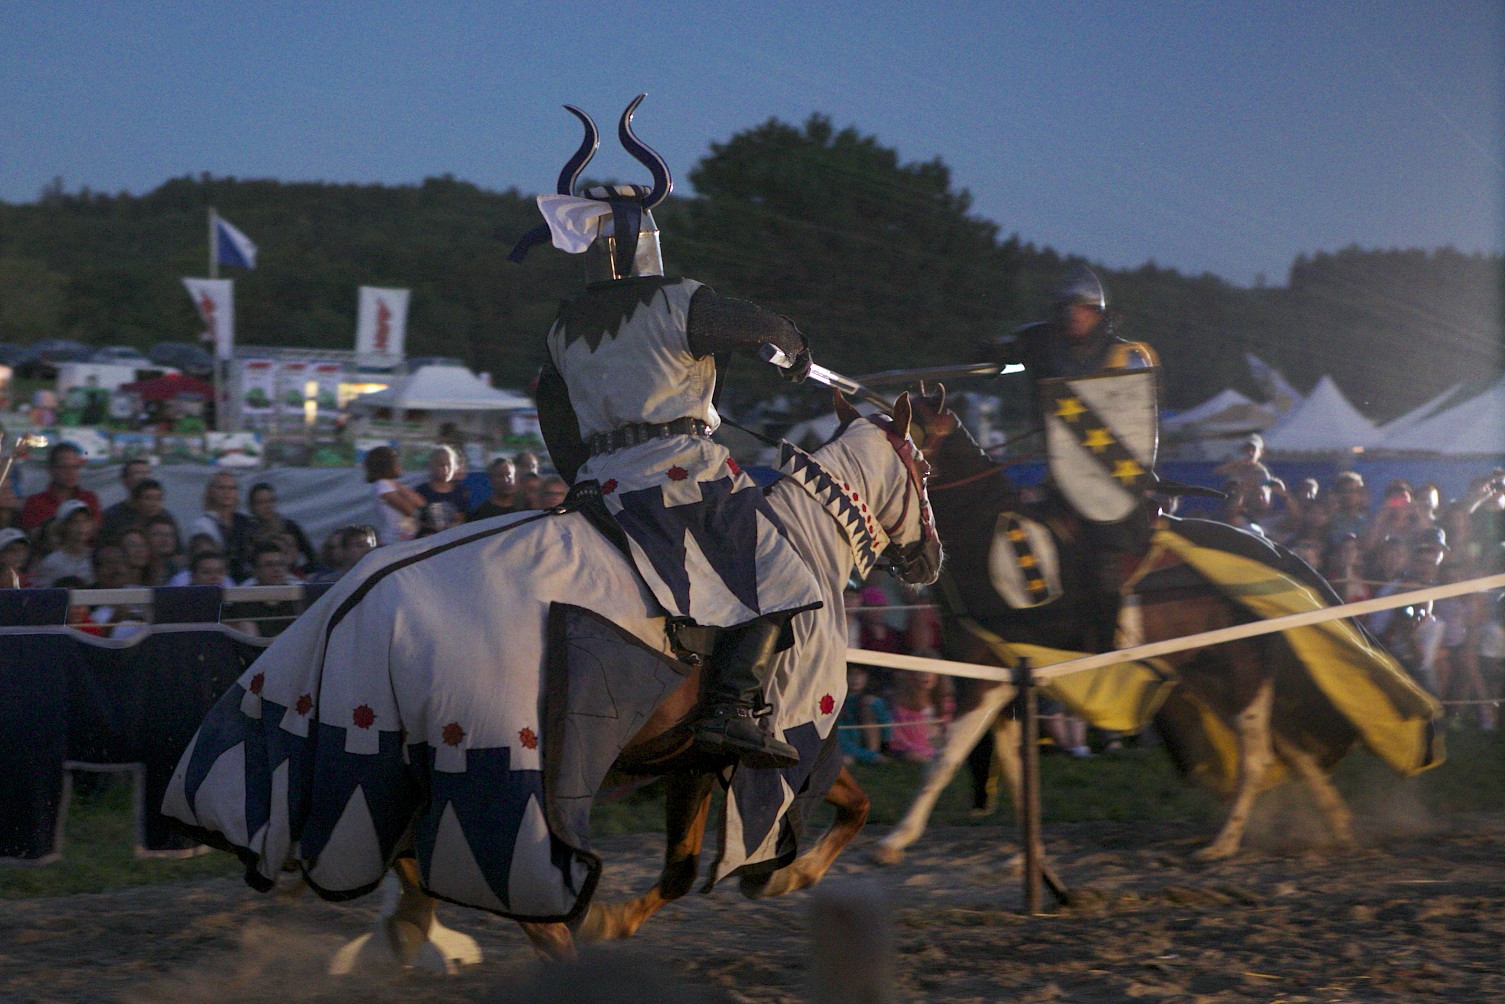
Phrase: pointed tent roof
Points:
(1416, 415)
(1475, 427)
(444, 388)
(1324, 422)
(1280, 396)
(1226, 413)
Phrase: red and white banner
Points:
(215, 301)
(383, 322)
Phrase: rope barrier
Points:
(978, 671)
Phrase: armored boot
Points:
(740, 668)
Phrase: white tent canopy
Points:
(1475, 427)
(1416, 415)
(1226, 413)
(443, 388)
(1324, 422)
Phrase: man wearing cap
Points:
(64, 463)
(1413, 634)
(1246, 468)
(15, 555)
(74, 558)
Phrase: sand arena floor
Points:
(1419, 914)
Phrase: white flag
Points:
(216, 305)
(383, 322)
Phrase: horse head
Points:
(914, 550)
(952, 451)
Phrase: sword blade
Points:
(773, 354)
(891, 377)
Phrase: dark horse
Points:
(1229, 688)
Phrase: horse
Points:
(1233, 689)
(378, 731)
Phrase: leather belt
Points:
(642, 432)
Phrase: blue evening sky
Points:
(1212, 136)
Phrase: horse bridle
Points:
(904, 558)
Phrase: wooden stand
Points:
(1036, 871)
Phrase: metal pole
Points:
(219, 398)
(1029, 755)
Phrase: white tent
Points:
(1324, 422)
(1280, 396)
(1416, 415)
(442, 388)
(1475, 427)
(1226, 413)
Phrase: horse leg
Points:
(407, 932)
(551, 941)
(965, 730)
(1329, 802)
(852, 806)
(686, 803)
(1256, 753)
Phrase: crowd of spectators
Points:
(1413, 538)
(59, 537)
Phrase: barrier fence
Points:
(71, 700)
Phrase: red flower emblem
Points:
(528, 739)
(733, 466)
(364, 716)
(827, 704)
(608, 486)
(305, 704)
(453, 734)
(677, 473)
(257, 681)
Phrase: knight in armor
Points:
(626, 402)
(1079, 341)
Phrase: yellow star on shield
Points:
(1069, 408)
(1127, 470)
(1097, 440)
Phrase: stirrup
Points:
(732, 730)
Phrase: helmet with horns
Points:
(612, 224)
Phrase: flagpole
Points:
(219, 401)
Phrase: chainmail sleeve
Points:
(720, 324)
(557, 422)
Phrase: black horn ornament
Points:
(572, 167)
(663, 183)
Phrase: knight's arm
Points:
(1007, 350)
(719, 324)
(558, 423)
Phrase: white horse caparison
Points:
(866, 456)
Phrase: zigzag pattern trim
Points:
(865, 536)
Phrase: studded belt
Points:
(642, 432)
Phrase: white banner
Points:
(383, 322)
(215, 301)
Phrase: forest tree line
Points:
(882, 263)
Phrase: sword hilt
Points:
(771, 353)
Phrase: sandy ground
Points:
(1417, 915)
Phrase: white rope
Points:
(978, 671)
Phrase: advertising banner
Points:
(215, 302)
(258, 391)
(383, 322)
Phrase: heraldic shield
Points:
(1101, 434)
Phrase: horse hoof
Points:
(1214, 852)
(884, 855)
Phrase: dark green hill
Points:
(882, 263)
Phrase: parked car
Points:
(189, 358)
(43, 359)
(419, 362)
(120, 355)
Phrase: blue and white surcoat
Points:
(701, 533)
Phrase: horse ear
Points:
(902, 415)
(844, 411)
